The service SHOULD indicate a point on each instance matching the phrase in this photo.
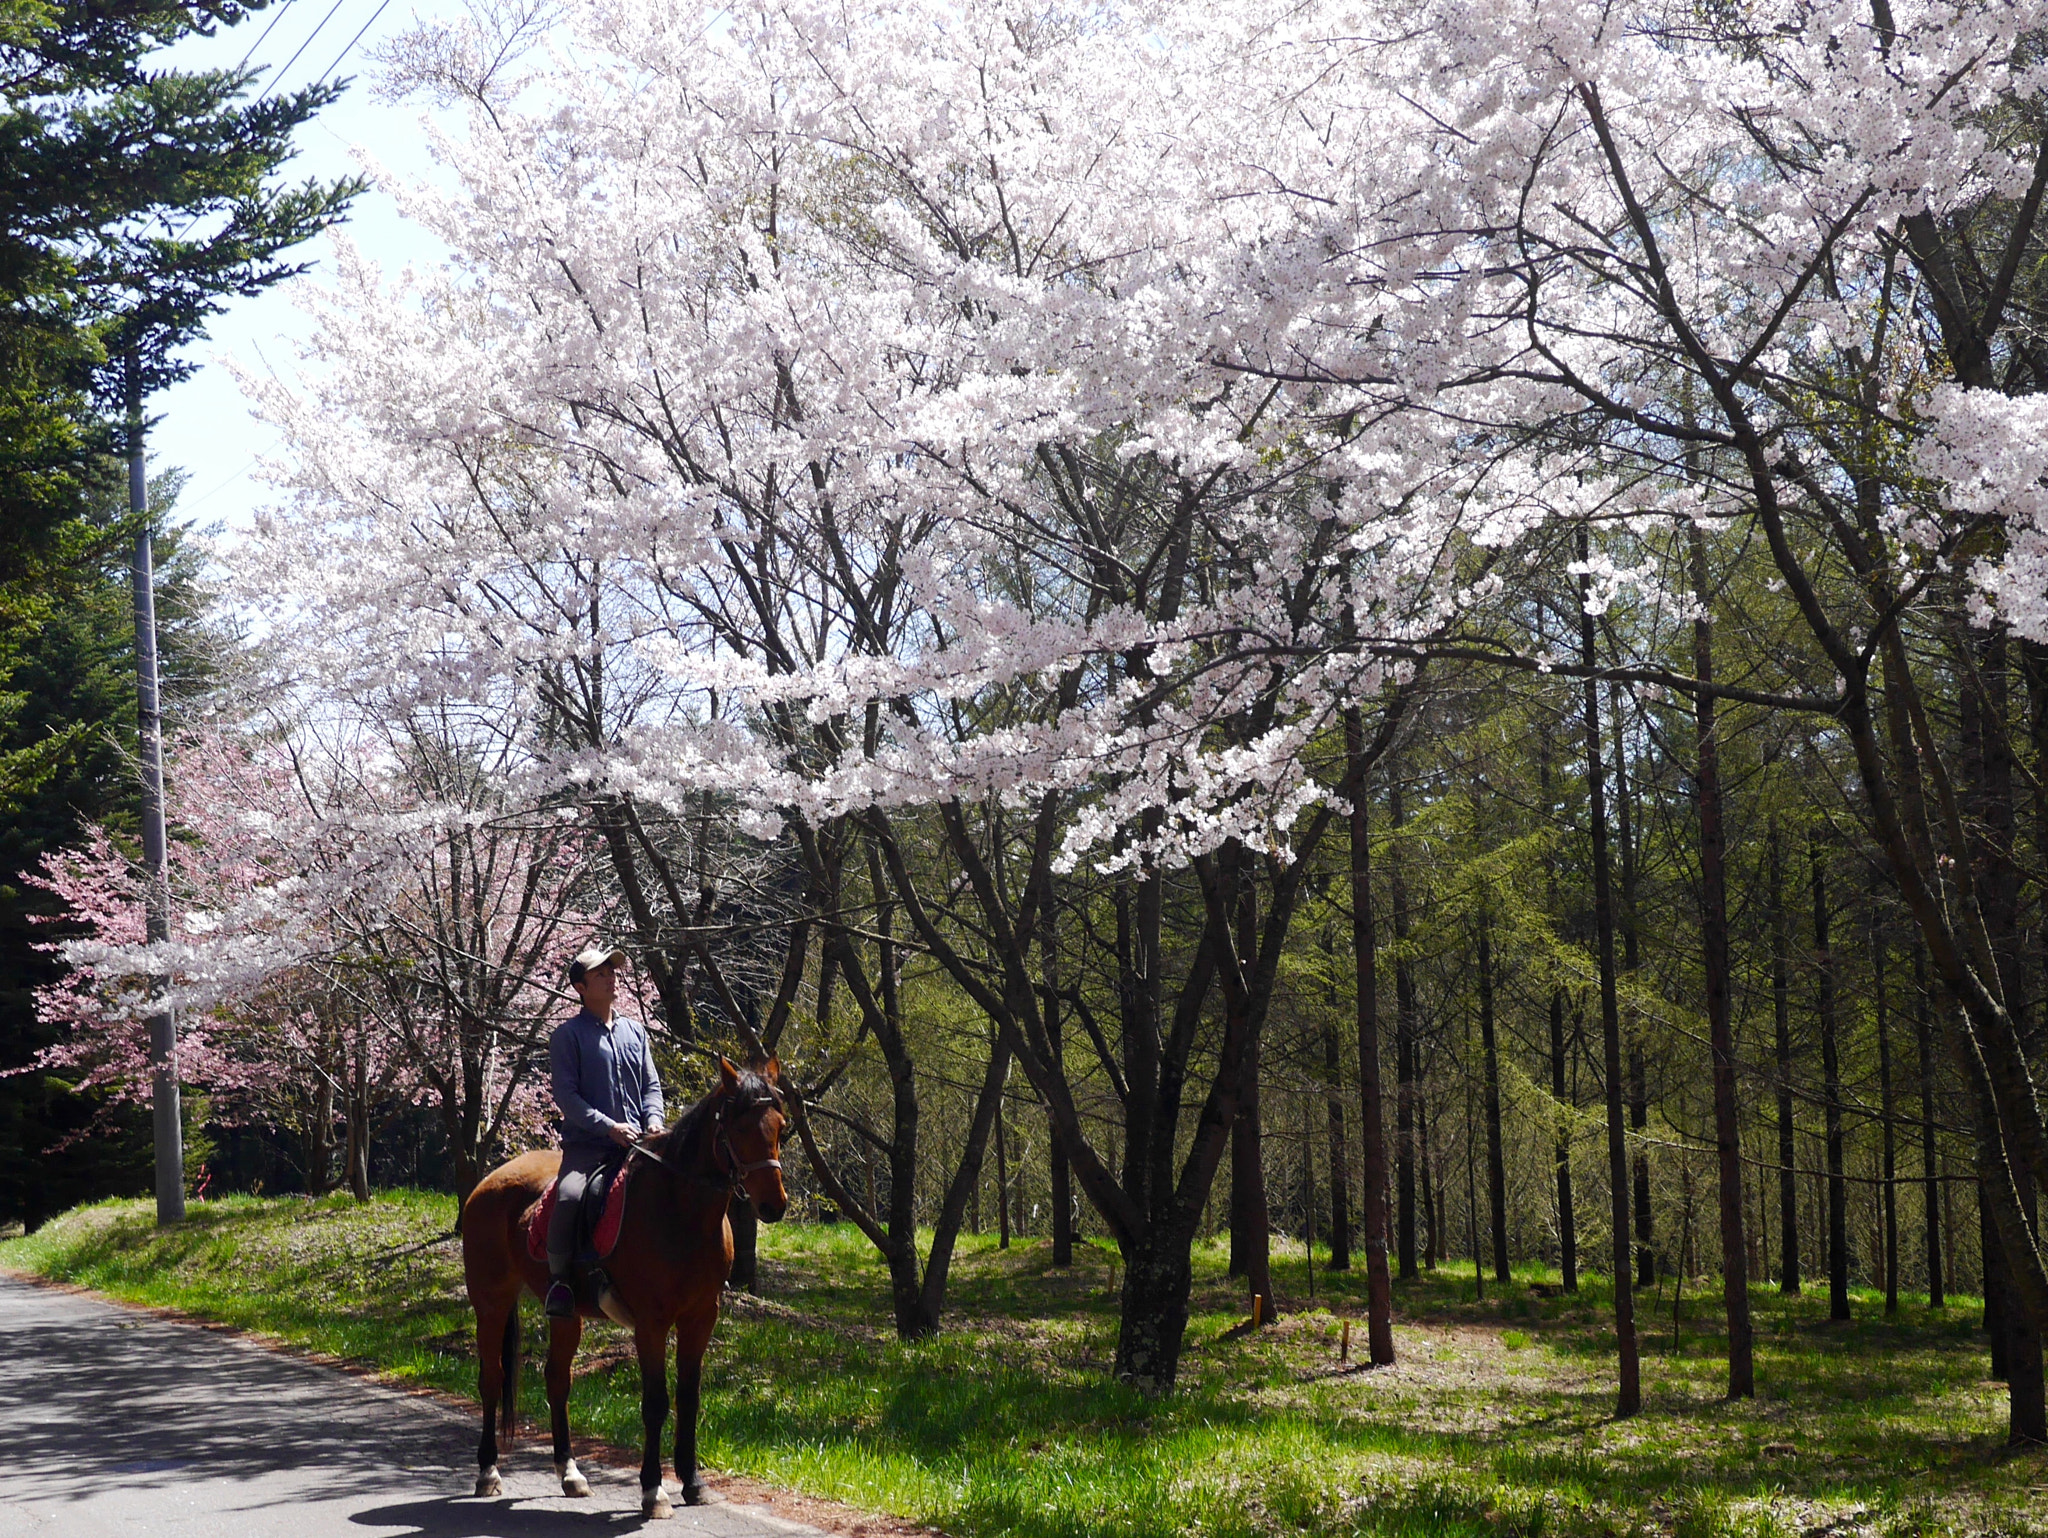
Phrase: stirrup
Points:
(609, 1303)
(560, 1302)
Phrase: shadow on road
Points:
(492, 1519)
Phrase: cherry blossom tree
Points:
(1051, 428)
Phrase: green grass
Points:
(1497, 1421)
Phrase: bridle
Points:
(737, 1169)
(732, 1169)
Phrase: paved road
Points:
(116, 1423)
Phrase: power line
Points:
(276, 17)
(328, 72)
(308, 43)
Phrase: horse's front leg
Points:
(564, 1335)
(690, 1343)
(495, 1346)
(650, 1340)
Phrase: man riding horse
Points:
(609, 1094)
(672, 1251)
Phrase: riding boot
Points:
(560, 1302)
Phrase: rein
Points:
(732, 1178)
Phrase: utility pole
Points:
(163, 1025)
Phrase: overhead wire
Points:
(275, 17)
(328, 72)
(297, 53)
(308, 43)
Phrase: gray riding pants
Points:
(579, 1162)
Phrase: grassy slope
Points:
(1495, 1422)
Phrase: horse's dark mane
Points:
(683, 1143)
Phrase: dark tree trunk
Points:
(1887, 1110)
(1831, 1091)
(1987, 747)
(1639, 1123)
(1251, 1212)
(1472, 1199)
(318, 1142)
(1567, 1219)
(1340, 1163)
(1404, 1056)
(1154, 1308)
(1629, 1398)
(1435, 1242)
(1002, 1183)
(1496, 1161)
(1560, 1088)
(1720, 1027)
(2024, 1378)
(1781, 1018)
(358, 1156)
(1060, 1188)
(1631, 960)
(1993, 1258)
(1923, 1030)
(1372, 1172)
(1251, 1220)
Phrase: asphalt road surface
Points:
(117, 1423)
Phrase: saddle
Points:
(598, 1239)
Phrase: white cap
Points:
(595, 956)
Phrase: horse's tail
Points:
(508, 1361)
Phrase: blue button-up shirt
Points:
(603, 1077)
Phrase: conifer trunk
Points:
(1372, 1171)
(1340, 1162)
(1923, 1030)
(1887, 1111)
(1831, 1088)
(1781, 1018)
(1720, 1027)
(1631, 960)
(1560, 1089)
(1404, 1055)
(1567, 1219)
(1059, 1176)
(1629, 1397)
(1496, 1162)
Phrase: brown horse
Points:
(673, 1256)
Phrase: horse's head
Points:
(749, 1134)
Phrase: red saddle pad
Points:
(606, 1237)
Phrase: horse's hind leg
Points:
(497, 1345)
(651, 1343)
(564, 1335)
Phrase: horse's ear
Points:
(772, 1069)
(728, 1076)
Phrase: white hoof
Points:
(654, 1504)
(488, 1482)
(573, 1482)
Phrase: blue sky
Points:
(205, 427)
